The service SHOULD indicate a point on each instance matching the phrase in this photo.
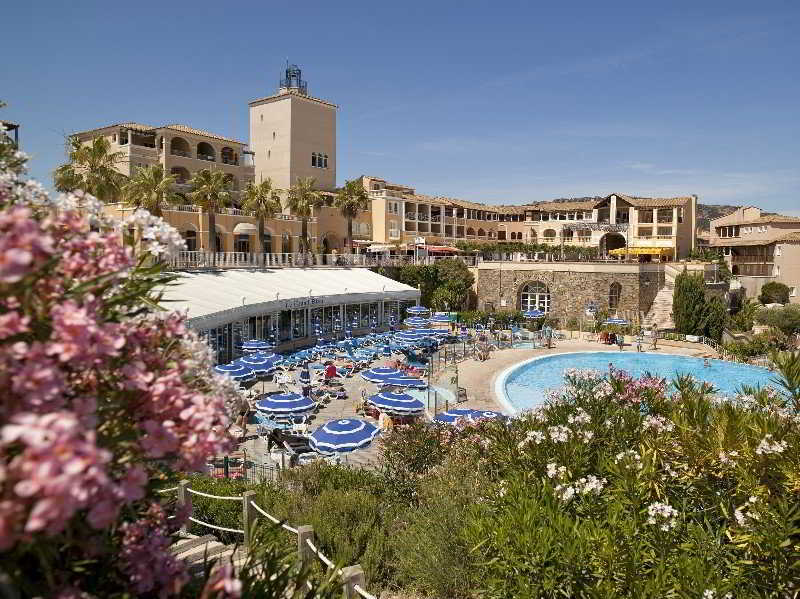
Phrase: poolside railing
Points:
(351, 577)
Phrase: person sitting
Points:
(330, 372)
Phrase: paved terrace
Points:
(472, 376)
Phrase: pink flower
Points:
(12, 324)
(223, 584)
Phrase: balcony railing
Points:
(180, 153)
(229, 161)
(181, 208)
(411, 216)
(207, 157)
(436, 218)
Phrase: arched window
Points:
(549, 235)
(470, 231)
(481, 233)
(614, 293)
(567, 235)
(190, 237)
(532, 236)
(535, 296)
(205, 151)
(179, 147)
(242, 244)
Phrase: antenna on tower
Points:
(293, 80)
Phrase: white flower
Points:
(535, 436)
(631, 457)
(659, 424)
(663, 515)
(558, 434)
(555, 471)
(727, 458)
(768, 446)
(586, 436)
(157, 236)
(580, 417)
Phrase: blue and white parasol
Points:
(238, 372)
(404, 381)
(341, 436)
(416, 321)
(485, 415)
(418, 310)
(617, 321)
(258, 364)
(535, 313)
(396, 403)
(451, 416)
(255, 345)
(285, 403)
(380, 374)
(440, 318)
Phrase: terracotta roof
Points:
(291, 93)
(791, 237)
(151, 129)
(769, 218)
(640, 202)
(728, 242)
(580, 205)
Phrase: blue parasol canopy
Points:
(238, 372)
(397, 403)
(451, 416)
(535, 313)
(416, 321)
(616, 321)
(255, 345)
(341, 436)
(404, 381)
(418, 310)
(258, 364)
(285, 403)
(379, 374)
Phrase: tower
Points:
(293, 134)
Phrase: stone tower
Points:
(293, 134)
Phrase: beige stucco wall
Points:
(788, 264)
(285, 131)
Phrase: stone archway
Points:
(611, 241)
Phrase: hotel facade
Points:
(293, 135)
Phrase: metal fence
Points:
(245, 470)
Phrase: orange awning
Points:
(443, 248)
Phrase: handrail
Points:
(229, 498)
(215, 527)
(362, 592)
(167, 490)
(349, 578)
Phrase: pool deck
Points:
(472, 375)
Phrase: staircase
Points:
(660, 314)
(199, 552)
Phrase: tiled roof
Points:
(791, 237)
(729, 242)
(152, 129)
(579, 205)
(654, 202)
(291, 93)
(769, 218)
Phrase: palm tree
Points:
(210, 192)
(262, 200)
(91, 168)
(301, 200)
(150, 188)
(351, 199)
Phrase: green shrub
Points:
(774, 293)
(786, 319)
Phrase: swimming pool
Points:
(524, 385)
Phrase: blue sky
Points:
(488, 101)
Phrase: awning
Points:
(243, 228)
(638, 251)
(443, 248)
(379, 248)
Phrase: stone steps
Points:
(660, 314)
(200, 552)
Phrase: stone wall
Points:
(570, 289)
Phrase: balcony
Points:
(181, 208)
(411, 216)
(752, 259)
(228, 161)
(206, 157)
(181, 153)
(422, 216)
(436, 218)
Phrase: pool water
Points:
(524, 386)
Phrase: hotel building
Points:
(760, 248)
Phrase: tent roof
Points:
(214, 298)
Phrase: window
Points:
(314, 159)
(191, 240)
(680, 214)
(114, 138)
(535, 296)
(273, 136)
(325, 161)
(262, 118)
(269, 154)
(614, 293)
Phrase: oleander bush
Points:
(616, 487)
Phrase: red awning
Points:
(443, 249)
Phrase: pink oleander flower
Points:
(222, 584)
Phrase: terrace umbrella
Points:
(238, 372)
(401, 404)
(485, 415)
(416, 321)
(255, 345)
(418, 310)
(305, 376)
(409, 336)
(535, 313)
(284, 404)
(386, 351)
(342, 436)
(451, 416)
(380, 374)
(404, 381)
(260, 364)
(617, 321)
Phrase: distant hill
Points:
(705, 212)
